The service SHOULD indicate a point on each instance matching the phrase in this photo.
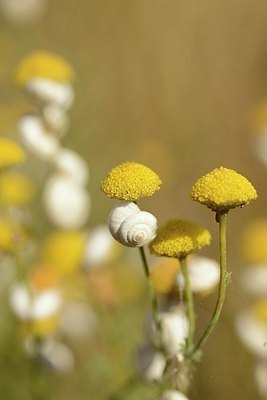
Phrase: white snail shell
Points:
(131, 226)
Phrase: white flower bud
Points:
(36, 139)
(173, 395)
(204, 274)
(31, 307)
(254, 280)
(72, 165)
(47, 91)
(252, 332)
(23, 12)
(66, 202)
(174, 328)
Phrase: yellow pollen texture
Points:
(223, 189)
(130, 181)
(179, 237)
(11, 153)
(42, 64)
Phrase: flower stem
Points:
(153, 297)
(224, 277)
(190, 303)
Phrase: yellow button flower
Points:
(11, 153)
(15, 189)
(163, 274)
(254, 242)
(64, 250)
(179, 237)
(223, 189)
(42, 64)
(130, 181)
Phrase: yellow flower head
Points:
(260, 310)
(11, 153)
(179, 237)
(130, 181)
(254, 242)
(64, 251)
(15, 189)
(163, 274)
(223, 189)
(42, 64)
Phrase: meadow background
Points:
(170, 84)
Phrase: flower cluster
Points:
(173, 326)
(251, 322)
(47, 78)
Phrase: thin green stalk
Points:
(153, 296)
(222, 286)
(190, 303)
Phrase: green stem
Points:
(153, 297)
(222, 287)
(190, 304)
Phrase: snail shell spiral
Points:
(131, 226)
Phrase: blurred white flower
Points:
(254, 280)
(259, 145)
(100, 247)
(77, 321)
(150, 363)
(204, 274)
(29, 306)
(56, 356)
(23, 11)
(72, 165)
(66, 202)
(55, 119)
(252, 332)
(47, 91)
(35, 139)
(174, 329)
(260, 374)
(53, 355)
(173, 395)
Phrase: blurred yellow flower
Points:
(42, 64)
(259, 309)
(179, 237)
(64, 250)
(130, 181)
(42, 327)
(11, 153)
(13, 236)
(254, 242)
(163, 274)
(259, 116)
(7, 241)
(16, 189)
(223, 189)
(43, 277)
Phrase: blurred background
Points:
(172, 85)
